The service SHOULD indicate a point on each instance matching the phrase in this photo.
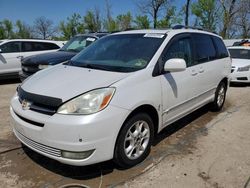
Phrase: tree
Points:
(72, 27)
(44, 28)
(6, 29)
(206, 13)
(243, 19)
(187, 12)
(2, 31)
(171, 18)
(229, 11)
(142, 22)
(8, 26)
(23, 30)
(124, 21)
(152, 7)
(93, 21)
(109, 23)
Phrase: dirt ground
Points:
(204, 149)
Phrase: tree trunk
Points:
(187, 13)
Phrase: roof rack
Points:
(191, 27)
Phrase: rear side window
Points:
(11, 47)
(204, 46)
(50, 46)
(180, 49)
(221, 48)
(38, 46)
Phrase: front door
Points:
(178, 88)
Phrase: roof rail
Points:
(191, 27)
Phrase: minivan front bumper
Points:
(92, 136)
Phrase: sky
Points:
(59, 10)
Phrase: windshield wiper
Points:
(72, 50)
(93, 66)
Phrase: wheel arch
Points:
(225, 80)
(148, 109)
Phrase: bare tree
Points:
(243, 19)
(229, 11)
(109, 23)
(187, 12)
(151, 7)
(44, 27)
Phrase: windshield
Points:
(76, 44)
(240, 53)
(120, 53)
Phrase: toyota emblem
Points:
(26, 105)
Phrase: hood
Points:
(240, 62)
(66, 82)
(51, 58)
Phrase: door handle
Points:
(201, 70)
(193, 72)
(20, 57)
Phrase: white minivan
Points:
(12, 51)
(111, 100)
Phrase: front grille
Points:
(40, 103)
(40, 147)
(242, 78)
(29, 69)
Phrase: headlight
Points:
(88, 103)
(44, 66)
(246, 68)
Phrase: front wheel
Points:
(219, 98)
(134, 141)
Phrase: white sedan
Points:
(240, 64)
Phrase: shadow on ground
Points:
(239, 84)
(10, 81)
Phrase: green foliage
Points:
(142, 22)
(110, 25)
(171, 18)
(92, 21)
(23, 30)
(124, 21)
(72, 26)
(206, 13)
(6, 29)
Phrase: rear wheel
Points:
(219, 98)
(134, 141)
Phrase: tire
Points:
(134, 141)
(220, 96)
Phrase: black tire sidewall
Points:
(215, 106)
(120, 157)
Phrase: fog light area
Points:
(77, 155)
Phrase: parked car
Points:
(13, 50)
(111, 99)
(32, 64)
(240, 72)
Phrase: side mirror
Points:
(175, 65)
(0, 50)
